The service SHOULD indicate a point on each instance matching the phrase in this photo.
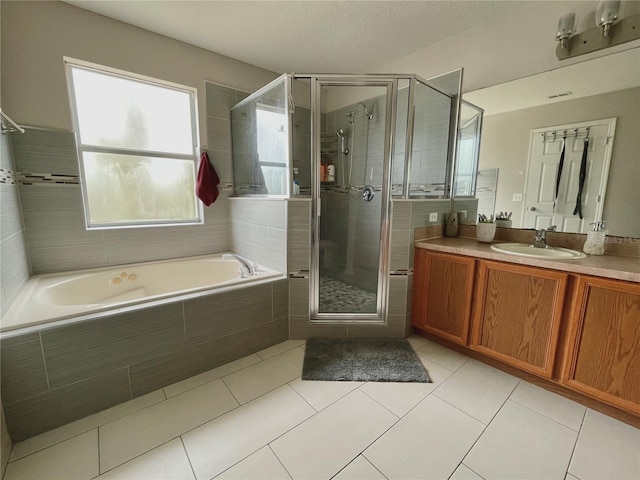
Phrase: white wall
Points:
(37, 35)
(516, 44)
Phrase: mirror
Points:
(600, 89)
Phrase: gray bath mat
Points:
(362, 361)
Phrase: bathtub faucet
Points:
(248, 269)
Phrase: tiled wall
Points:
(406, 216)
(56, 237)
(259, 230)
(55, 232)
(14, 262)
(58, 375)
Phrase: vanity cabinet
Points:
(442, 294)
(602, 357)
(517, 314)
(579, 332)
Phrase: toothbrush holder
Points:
(485, 232)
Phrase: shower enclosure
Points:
(349, 144)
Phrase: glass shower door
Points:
(351, 195)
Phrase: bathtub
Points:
(84, 294)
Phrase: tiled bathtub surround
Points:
(57, 375)
(56, 237)
(14, 262)
(259, 230)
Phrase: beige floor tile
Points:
(464, 473)
(549, 404)
(280, 348)
(321, 394)
(263, 377)
(210, 375)
(435, 352)
(220, 444)
(70, 430)
(262, 465)
(402, 397)
(146, 429)
(417, 341)
(168, 461)
(428, 443)
(606, 449)
(571, 477)
(359, 469)
(477, 389)
(326, 443)
(521, 443)
(72, 459)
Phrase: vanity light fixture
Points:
(608, 32)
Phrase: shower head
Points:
(353, 112)
(343, 148)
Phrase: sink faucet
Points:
(248, 269)
(540, 240)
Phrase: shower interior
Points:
(384, 136)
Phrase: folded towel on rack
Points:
(207, 181)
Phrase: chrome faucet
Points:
(248, 269)
(540, 240)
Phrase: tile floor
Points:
(337, 296)
(255, 419)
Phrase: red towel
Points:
(207, 182)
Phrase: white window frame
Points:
(70, 63)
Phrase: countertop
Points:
(608, 266)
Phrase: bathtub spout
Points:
(248, 269)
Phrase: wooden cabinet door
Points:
(442, 294)
(603, 349)
(517, 315)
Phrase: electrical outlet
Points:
(517, 197)
(433, 217)
(463, 214)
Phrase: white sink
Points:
(525, 250)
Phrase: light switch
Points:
(517, 197)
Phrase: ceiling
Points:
(305, 36)
(353, 36)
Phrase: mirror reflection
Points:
(534, 134)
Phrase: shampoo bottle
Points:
(331, 173)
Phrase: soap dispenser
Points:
(594, 245)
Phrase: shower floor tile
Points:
(289, 428)
(337, 296)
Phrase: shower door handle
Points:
(367, 193)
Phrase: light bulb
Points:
(606, 14)
(565, 28)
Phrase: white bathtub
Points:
(81, 294)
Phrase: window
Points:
(137, 147)
(272, 144)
